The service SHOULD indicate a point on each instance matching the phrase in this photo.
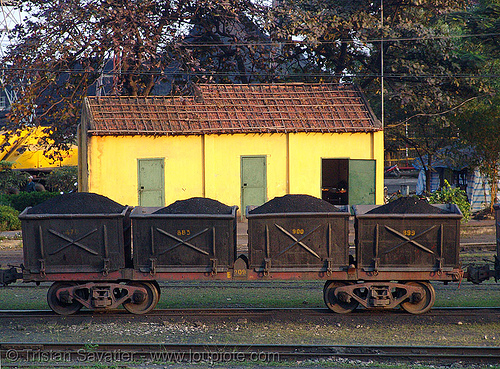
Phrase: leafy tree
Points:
(479, 122)
(483, 21)
(479, 127)
(423, 65)
(61, 52)
(62, 179)
(229, 43)
(11, 180)
(9, 220)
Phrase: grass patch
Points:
(241, 294)
(20, 298)
(467, 294)
(476, 257)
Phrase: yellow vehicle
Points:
(26, 151)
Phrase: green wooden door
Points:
(151, 186)
(253, 181)
(361, 182)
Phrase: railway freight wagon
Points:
(298, 234)
(75, 240)
(409, 249)
(85, 251)
(184, 243)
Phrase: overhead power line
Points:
(355, 41)
(257, 74)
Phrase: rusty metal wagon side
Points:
(183, 243)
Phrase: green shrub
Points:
(25, 199)
(62, 179)
(449, 195)
(10, 179)
(8, 219)
(4, 199)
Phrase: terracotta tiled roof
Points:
(235, 109)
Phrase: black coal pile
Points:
(196, 205)
(295, 204)
(78, 203)
(408, 205)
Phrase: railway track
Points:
(482, 245)
(120, 354)
(256, 312)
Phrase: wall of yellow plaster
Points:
(223, 164)
(210, 165)
(378, 144)
(307, 150)
(112, 164)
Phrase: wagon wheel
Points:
(142, 304)
(424, 303)
(60, 306)
(156, 284)
(335, 304)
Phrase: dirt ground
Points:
(11, 251)
(478, 232)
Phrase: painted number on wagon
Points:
(297, 231)
(409, 232)
(240, 272)
(183, 232)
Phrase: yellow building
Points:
(239, 144)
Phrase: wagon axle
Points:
(67, 298)
(413, 297)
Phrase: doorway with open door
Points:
(348, 181)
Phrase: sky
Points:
(9, 17)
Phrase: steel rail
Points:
(482, 245)
(257, 312)
(15, 353)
